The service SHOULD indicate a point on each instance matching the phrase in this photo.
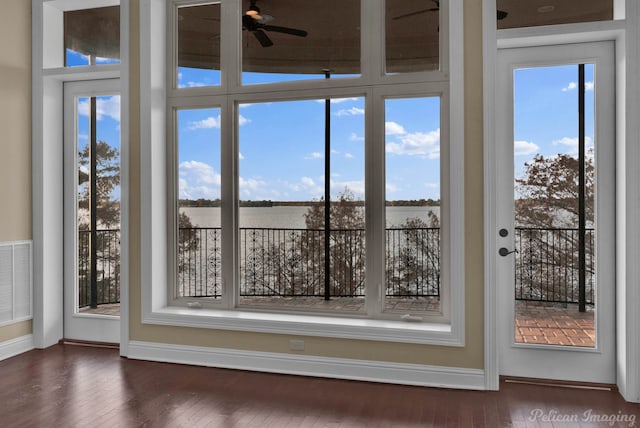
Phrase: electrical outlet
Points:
(296, 345)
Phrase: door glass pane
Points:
(285, 40)
(198, 46)
(98, 204)
(199, 186)
(412, 34)
(555, 281)
(289, 256)
(92, 36)
(412, 205)
(518, 13)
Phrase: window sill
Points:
(307, 325)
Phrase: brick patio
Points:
(549, 325)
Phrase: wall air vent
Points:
(15, 282)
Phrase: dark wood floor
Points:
(78, 386)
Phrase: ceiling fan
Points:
(256, 23)
(501, 13)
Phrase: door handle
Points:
(505, 251)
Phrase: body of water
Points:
(292, 217)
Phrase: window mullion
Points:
(230, 45)
(372, 40)
(374, 203)
(228, 209)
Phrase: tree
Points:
(108, 217)
(413, 261)
(292, 262)
(546, 213)
(548, 192)
(347, 246)
(108, 178)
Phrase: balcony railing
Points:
(547, 268)
(290, 263)
(108, 267)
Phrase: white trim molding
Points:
(156, 94)
(626, 34)
(17, 346)
(48, 78)
(309, 365)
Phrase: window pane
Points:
(92, 36)
(98, 204)
(413, 238)
(199, 226)
(518, 13)
(289, 40)
(282, 209)
(412, 35)
(552, 288)
(198, 46)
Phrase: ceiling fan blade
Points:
(285, 30)
(264, 40)
(417, 12)
(502, 14)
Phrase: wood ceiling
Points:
(333, 27)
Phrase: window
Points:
(92, 36)
(276, 181)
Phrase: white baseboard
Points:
(309, 365)
(16, 346)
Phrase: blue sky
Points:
(281, 144)
(546, 112)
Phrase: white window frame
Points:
(158, 92)
(48, 77)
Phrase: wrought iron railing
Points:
(290, 263)
(547, 267)
(107, 263)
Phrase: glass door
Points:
(556, 212)
(92, 211)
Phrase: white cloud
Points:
(588, 86)
(208, 123)
(391, 188)
(214, 122)
(83, 137)
(355, 137)
(194, 84)
(307, 181)
(353, 111)
(572, 144)
(243, 120)
(198, 180)
(307, 185)
(393, 128)
(240, 156)
(523, 148)
(432, 185)
(105, 106)
(422, 144)
(356, 186)
(315, 155)
(348, 155)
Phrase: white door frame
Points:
(548, 361)
(626, 34)
(86, 327)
